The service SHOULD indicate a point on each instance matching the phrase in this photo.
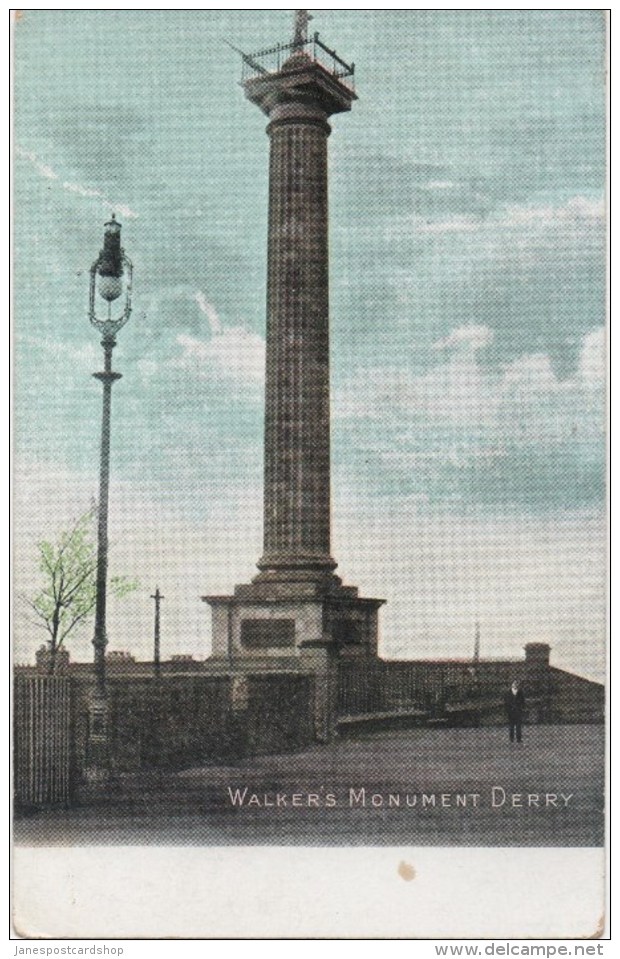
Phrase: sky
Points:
(467, 288)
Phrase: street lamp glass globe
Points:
(110, 287)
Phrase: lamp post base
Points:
(97, 767)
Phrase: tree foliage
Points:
(69, 591)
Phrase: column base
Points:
(307, 565)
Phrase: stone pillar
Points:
(320, 660)
(298, 101)
(297, 475)
(296, 614)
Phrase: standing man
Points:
(515, 706)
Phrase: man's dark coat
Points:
(515, 705)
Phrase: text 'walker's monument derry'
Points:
(297, 606)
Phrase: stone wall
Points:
(461, 693)
(181, 721)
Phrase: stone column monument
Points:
(296, 612)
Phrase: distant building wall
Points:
(44, 660)
(467, 693)
(574, 699)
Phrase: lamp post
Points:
(110, 278)
(157, 596)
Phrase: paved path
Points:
(419, 787)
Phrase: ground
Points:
(547, 791)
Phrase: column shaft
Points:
(297, 469)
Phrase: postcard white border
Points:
(257, 892)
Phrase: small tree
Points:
(69, 594)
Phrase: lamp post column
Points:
(100, 641)
(110, 277)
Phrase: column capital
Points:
(303, 90)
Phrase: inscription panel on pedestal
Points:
(267, 633)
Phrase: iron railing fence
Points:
(42, 742)
(272, 59)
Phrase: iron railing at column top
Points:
(272, 59)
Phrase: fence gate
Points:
(42, 713)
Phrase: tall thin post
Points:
(477, 645)
(100, 639)
(110, 277)
(157, 596)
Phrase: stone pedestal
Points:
(276, 622)
(296, 627)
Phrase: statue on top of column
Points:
(302, 19)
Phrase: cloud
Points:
(534, 274)
(469, 434)
(210, 312)
(230, 354)
(471, 337)
(576, 209)
(82, 190)
(83, 357)
(578, 213)
(462, 386)
(233, 355)
(41, 168)
(530, 374)
(440, 185)
(592, 359)
(457, 390)
(454, 224)
(88, 192)
(186, 294)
